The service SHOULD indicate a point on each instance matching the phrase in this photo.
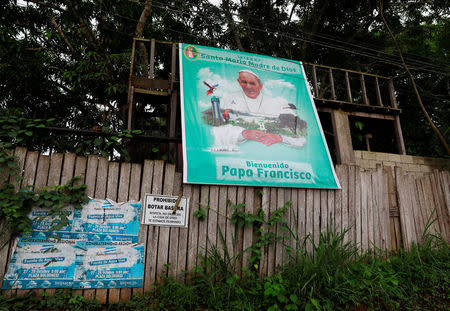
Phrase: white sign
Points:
(158, 211)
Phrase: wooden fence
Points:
(382, 208)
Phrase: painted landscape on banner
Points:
(250, 120)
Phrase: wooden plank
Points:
(222, 219)
(351, 203)
(248, 231)
(211, 238)
(240, 199)
(42, 172)
(107, 176)
(364, 213)
(279, 247)
(163, 240)
(91, 178)
(4, 170)
(301, 217)
(134, 195)
(392, 93)
(68, 168)
(174, 232)
(288, 237)
(377, 90)
(100, 193)
(384, 213)
(403, 208)
(333, 91)
(102, 178)
(91, 174)
(29, 172)
(358, 208)
(153, 231)
(323, 210)
(419, 208)
(316, 89)
(442, 210)
(342, 137)
(192, 248)
(370, 213)
(146, 83)
(20, 154)
(399, 135)
(54, 174)
(376, 211)
(123, 294)
(330, 208)
(430, 204)
(363, 90)
(338, 201)
(80, 170)
(183, 238)
(316, 216)
(265, 202)
(203, 224)
(271, 249)
(152, 58)
(309, 219)
(348, 88)
(146, 187)
(293, 221)
(344, 201)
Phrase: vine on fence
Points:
(16, 203)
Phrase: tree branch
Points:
(317, 19)
(229, 17)
(61, 33)
(416, 91)
(143, 19)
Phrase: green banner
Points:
(250, 119)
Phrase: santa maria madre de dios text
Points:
(250, 120)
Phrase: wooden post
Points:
(363, 89)
(342, 137)
(399, 135)
(392, 93)
(377, 85)
(173, 66)
(349, 91)
(333, 91)
(316, 89)
(130, 85)
(152, 59)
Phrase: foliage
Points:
(69, 60)
(201, 214)
(322, 276)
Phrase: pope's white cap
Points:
(250, 72)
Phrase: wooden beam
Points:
(349, 90)
(364, 92)
(377, 86)
(399, 136)
(392, 93)
(342, 137)
(316, 89)
(152, 59)
(146, 83)
(151, 92)
(173, 66)
(333, 91)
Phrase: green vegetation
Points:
(327, 275)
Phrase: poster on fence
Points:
(96, 248)
(250, 119)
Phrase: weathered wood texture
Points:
(380, 208)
